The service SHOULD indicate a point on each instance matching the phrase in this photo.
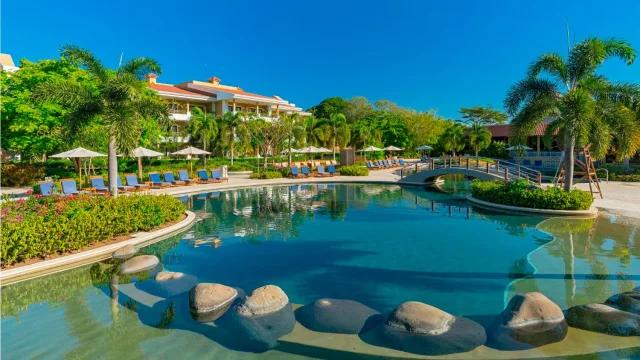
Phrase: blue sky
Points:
(421, 54)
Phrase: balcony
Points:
(179, 116)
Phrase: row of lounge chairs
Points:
(311, 163)
(298, 172)
(385, 164)
(168, 179)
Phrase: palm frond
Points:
(140, 66)
(532, 114)
(552, 64)
(627, 94)
(527, 91)
(84, 58)
(586, 56)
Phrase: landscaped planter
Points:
(239, 173)
(590, 213)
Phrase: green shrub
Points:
(353, 170)
(520, 193)
(625, 177)
(268, 174)
(20, 174)
(41, 226)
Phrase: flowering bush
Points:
(520, 193)
(42, 226)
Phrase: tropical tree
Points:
(453, 138)
(339, 130)
(120, 100)
(294, 130)
(571, 94)
(233, 128)
(478, 118)
(203, 127)
(479, 138)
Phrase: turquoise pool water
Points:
(377, 244)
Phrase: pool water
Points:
(378, 244)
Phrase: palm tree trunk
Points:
(113, 167)
(233, 142)
(569, 162)
(289, 144)
(334, 146)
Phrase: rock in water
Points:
(168, 283)
(124, 252)
(208, 301)
(337, 316)
(529, 320)
(424, 329)
(604, 319)
(139, 264)
(627, 301)
(264, 317)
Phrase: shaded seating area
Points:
(132, 180)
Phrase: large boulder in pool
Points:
(604, 319)
(140, 264)
(627, 301)
(169, 283)
(124, 252)
(424, 329)
(263, 317)
(529, 320)
(337, 316)
(209, 301)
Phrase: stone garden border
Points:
(71, 261)
(590, 213)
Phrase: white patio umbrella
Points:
(324, 150)
(80, 153)
(141, 152)
(424, 148)
(189, 152)
(370, 148)
(519, 147)
(392, 148)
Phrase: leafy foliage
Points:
(353, 170)
(20, 174)
(520, 193)
(41, 226)
(266, 175)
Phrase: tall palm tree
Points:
(479, 138)
(292, 125)
(569, 92)
(203, 127)
(337, 123)
(120, 100)
(234, 128)
(453, 138)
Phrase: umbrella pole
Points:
(140, 167)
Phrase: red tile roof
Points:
(172, 89)
(505, 130)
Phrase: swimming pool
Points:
(380, 245)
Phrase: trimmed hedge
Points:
(520, 193)
(268, 174)
(353, 170)
(41, 226)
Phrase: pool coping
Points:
(592, 212)
(67, 262)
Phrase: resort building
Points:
(215, 98)
(7, 64)
(535, 154)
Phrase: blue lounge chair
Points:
(203, 177)
(97, 183)
(183, 175)
(132, 180)
(526, 162)
(123, 187)
(401, 162)
(46, 188)
(320, 171)
(156, 180)
(305, 171)
(331, 169)
(216, 175)
(168, 177)
(295, 172)
(537, 163)
(69, 187)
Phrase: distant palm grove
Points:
(53, 105)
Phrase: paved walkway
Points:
(620, 198)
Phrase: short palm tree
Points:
(571, 94)
(453, 138)
(479, 138)
(233, 127)
(203, 126)
(120, 100)
(294, 129)
(337, 124)
(479, 118)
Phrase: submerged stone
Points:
(209, 301)
(627, 301)
(124, 252)
(169, 283)
(604, 319)
(424, 329)
(140, 263)
(337, 316)
(529, 320)
(263, 317)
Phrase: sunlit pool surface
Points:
(378, 244)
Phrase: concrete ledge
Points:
(591, 213)
(71, 261)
